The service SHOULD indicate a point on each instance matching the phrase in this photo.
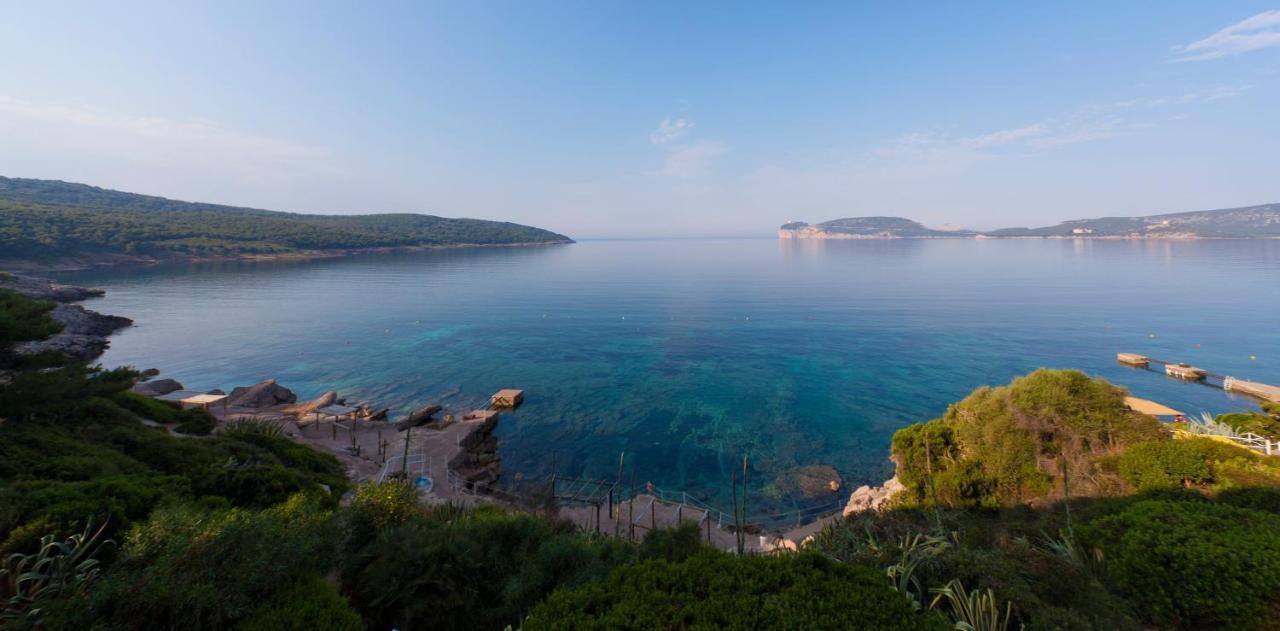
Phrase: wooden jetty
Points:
(1133, 359)
(1179, 370)
(1186, 372)
(506, 398)
(1252, 388)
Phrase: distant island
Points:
(50, 224)
(1250, 222)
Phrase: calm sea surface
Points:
(688, 354)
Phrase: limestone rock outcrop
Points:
(305, 408)
(264, 394)
(83, 336)
(866, 498)
(156, 387)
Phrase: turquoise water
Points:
(688, 354)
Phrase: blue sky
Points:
(653, 119)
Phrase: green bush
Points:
(1263, 424)
(308, 604)
(153, 409)
(1008, 444)
(717, 590)
(23, 319)
(1166, 463)
(196, 422)
(674, 544)
(1193, 564)
(377, 506)
(189, 568)
(475, 569)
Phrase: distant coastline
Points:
(1248, 222)
(51, 226)
(101, 260)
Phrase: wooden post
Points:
(597, 518)
(933, 491)
(404, 461)
(622, 457)
(551, 494)
(653, 513)
(743, 539)
(737, 531)
(708, 518)
(631, 509)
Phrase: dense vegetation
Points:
(42, 219)
(1020, 441)
(1151, 531)
(1041, 504)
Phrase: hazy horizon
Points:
(657, 120)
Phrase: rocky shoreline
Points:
(84, 338)
(99, 261)
(84, 332)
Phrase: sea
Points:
(689, 355)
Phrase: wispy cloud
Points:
(155, 134)
(670, 130)
(938, 147)
(685, 158)
(693, 159)
(1250, 34)
(1085, 124)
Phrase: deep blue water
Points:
(688, 354)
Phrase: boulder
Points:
(45, 289)
(156, 387)
(83, 336)
(148, 374)
(811, 481)
(866, 498)
(303, 409)
(261, 395)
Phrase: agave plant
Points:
(913, 550)
(972, 611)
(1066, 547)
(252, 426)
(1205, 425)
(59, 568)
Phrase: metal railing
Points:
(764, 522)
(417, 464)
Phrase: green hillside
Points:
(1247, 222)
(47, 219)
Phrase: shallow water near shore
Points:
(688, 354)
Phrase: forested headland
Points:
(48, 221)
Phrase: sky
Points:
(644, 119)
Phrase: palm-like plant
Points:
(59, 568)
(913, 550)
(972, 611)
(1206, 425)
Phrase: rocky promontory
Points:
(84, 332)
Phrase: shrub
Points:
(478, 569)
(376, 506)
(22, 319)
(716, 590)
(1263, 424)
(1166, 463)
(1193, 564)
(189, 568)
(309, 604)
(196, 422)
(1006, 445)
(674, 544)
(163, 412)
